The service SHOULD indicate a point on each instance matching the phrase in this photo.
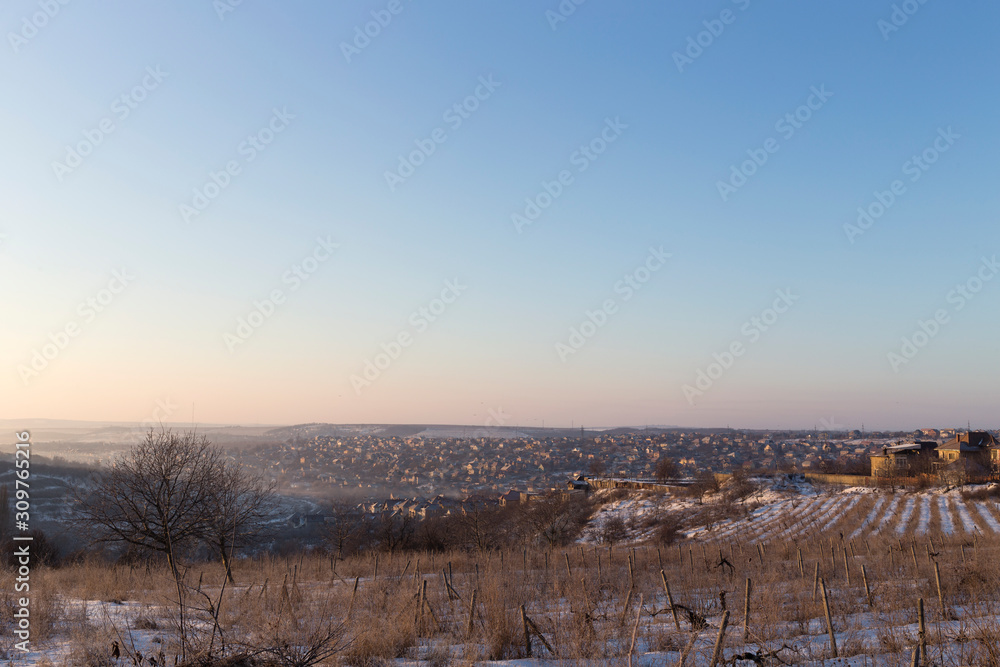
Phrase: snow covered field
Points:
(778, 514)
(854, 513)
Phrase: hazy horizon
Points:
(70, 424)
(761, 215)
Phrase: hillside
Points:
(780, 509)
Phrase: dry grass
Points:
(304, 610)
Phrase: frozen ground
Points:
(794, 510)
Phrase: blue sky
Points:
(501, 345)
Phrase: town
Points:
(379, 466)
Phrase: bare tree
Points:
(242, 501)
(344, 529)
(705, 483)
(666, 469)
(394, 532)
(158, 497)
(479, 525)
(597, 468)
(170, 492)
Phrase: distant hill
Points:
(445, 431)
(91, 436)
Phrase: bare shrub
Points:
(145, 621)
(668, 531)
(90, 646)
(502, 632)
(739, 486)
(552, 521)
(377, 645)
(981, 492)
(613, 530)
(617, 494)
(303, 631)
(374, 641)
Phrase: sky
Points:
(736, 212)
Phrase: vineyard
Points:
(859, 513)
(800, 577)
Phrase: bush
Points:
(739, 486)
(555, 522)
(668, 531)
(617, 494)
(987, 492)
(704, 484)
(613, 530)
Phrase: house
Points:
(903, 459)
(478, 503)
(972, 445)
(973, 452)
(512, 497)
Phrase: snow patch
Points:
(869, 518)
(904, 519)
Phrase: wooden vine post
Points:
(670, 600)
(829, 620)
(937, 579)
(717, 651)
(922, 631)
(868, 591)
(746, 611)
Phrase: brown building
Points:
(903, 460)
(969, 453)
(979, 446)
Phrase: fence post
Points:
(815, 580)
(472, 613)
(746, 612)
(354, 594)
(829, 619)
(922, 631)
(670, 600)
(717, 651)
(628, 603)
(687, 649)
(937, 579)
(635, 629)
